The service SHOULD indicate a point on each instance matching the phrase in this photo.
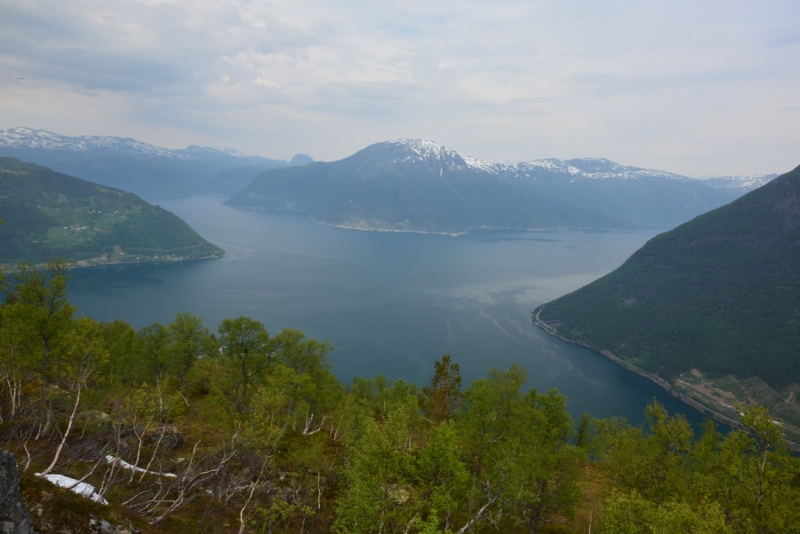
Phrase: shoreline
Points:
(669, 388)
(452, 234)
(76, 265)
(79, 265)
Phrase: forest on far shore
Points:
(180, 429)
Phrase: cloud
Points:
(507, 79)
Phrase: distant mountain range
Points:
(139, 167)
(417, 185)
(47, 214)
(719, 295)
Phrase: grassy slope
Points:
(720, 293)
(48, 214)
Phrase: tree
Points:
(662, 466)
(538, 462)
(307, 360)
(246, 342)
(304, 356)
(486, 417)
(189, 339)
(666, 454)
(39, 315)
(156, 356)
(379, 496)
(632, 514)
(583, 437)
(442, 398)
(755, 476)
(85, 351)
(442, 477)
(124, 353)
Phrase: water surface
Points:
(391, 303)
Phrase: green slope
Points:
(48, 214)
(720, 293)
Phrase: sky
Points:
(689, 86)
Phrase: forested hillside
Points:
(173, 428)
(48, 214)
(720, 293)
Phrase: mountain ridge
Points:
(131, 165)
(417, 185)
(717, 296)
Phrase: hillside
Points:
(417, 185)
(720, 294)
(173, 429)
(132, 165)
(47, 214)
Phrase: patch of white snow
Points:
(81, 488)
(130, 467)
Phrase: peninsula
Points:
(47, 214)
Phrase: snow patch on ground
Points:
(81, 488)
(130, 467)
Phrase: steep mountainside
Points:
(720, 294)
(417, 185)
(131, 165)
(48, 214)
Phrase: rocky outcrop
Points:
(14, 516)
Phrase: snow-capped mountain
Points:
(426, 151)
(747, 183)
(135, 166)
(418, 185)
(30, 139)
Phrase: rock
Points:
(14, 516)
(101, 526)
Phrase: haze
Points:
(697, 88)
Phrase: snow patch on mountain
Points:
(425, 150)
(41, 139)
(739, 182)
(28, 138)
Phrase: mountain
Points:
(740, 182)
(417, 185)
(48, 214)
(132, 165)
(231, 181)
(719, 295)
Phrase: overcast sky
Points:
(694, 87)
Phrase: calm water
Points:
(390, 303)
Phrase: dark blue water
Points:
(391, 303)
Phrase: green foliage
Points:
(442, 398)
(188, 340)
(296, 451)
(379, 496)
(247, 342)
(632, 514)
(745, 482)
